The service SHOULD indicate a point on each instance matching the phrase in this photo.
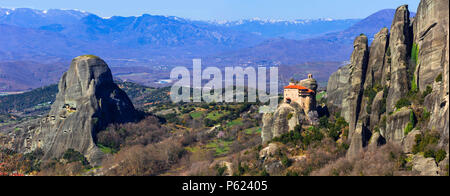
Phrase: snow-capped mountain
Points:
(289, 29)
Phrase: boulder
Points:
(443, 167)
(425, 166)
(396, 124)
(285, 119)
(356, 143)
(409, 141)
(266, 130)
(269, 151)
(274, 168)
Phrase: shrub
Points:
(428, 153)
(336, 128)
(440, 155)
(426, 114)
(403, 102)
(172, 118)
(312, 135)
(72, 155)
(241, 169)
(439, 78)
(425, 141)
(412, 123)
(285, 161)
(290, 137)
(437, 155)
(264, 173)
(289, 116)
(208, 122)
(427, 91)
(117, 136)
(383, 101)
(383, 161)
(409, 127)
(140, 160)
(414, 84)
(323, 122)
(370, 93)
(415, 53)
(221, 170)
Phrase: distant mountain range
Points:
(335, 46)
(51, 37)
(296, 29)
(28, 33)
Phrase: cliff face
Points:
(431, 38)
(337, 89)
(400, 47)
(399, 65)
(345, 89)
(87, 101)
(375, 65)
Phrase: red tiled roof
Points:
(299, 88)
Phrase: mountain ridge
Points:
(337, 45)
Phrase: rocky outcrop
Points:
(400, 48)
(309, 83)
(396, 125)
(356, 143)
(410, 141)
(443, 166)
(285, 119)
(271, 150)
(376, 140)
(88, 100)
(425, 166)
(266, 130)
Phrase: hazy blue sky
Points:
(222, 9)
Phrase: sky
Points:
(221, 9)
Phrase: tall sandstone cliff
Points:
(431, 37)
(88, 100)
(407, 60)
(345, 87)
